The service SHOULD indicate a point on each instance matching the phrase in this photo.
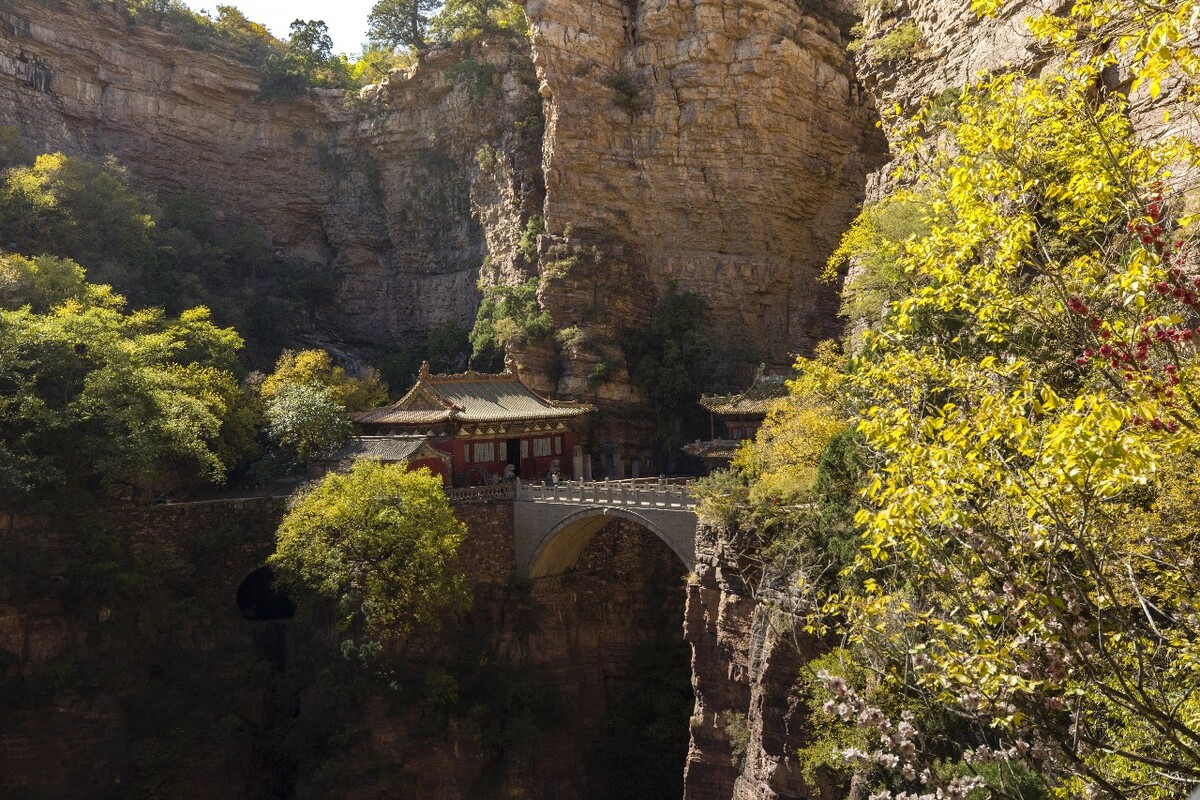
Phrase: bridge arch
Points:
(559, 548)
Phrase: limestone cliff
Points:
(950, 45)
(386, 193)
(723, 146)
(439, 172)
(747, 656)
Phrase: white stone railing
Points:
(642, 492)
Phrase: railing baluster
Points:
(638, 492)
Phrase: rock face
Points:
(76, 77)
(953, 46)
(388, 193)
(747, 655)
(720, 146)
(723, 146)
(443, 169)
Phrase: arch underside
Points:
(560, 548)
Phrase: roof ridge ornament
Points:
(424, 373)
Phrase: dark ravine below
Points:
(147, 682)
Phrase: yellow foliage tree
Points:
(1030, 409)
(315, 367)
(377, 544)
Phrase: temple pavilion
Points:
(492, 426)
(740, 415)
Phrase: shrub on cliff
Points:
(401, 23)
(508, 314)
(305, 61)
(378, 545)
(671, 360)
(416, 23)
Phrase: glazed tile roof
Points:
(755, 401)
(471, 397)
(390, 415)
(717, 449)
(387, 448)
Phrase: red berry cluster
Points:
(1147, 362)
(1134, 361)
(1179, 286)
(1150, 231)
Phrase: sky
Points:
(347, 19)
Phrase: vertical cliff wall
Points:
(436, 176)
(952, 45)
(76, 77)
(385, 191)
(723, 146)
(747, 656)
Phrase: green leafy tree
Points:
(401, 23)
(466, 19)
(508, 314)
(306, 61)
(252, 36)
(44, 282)
(378, 544)
(310, 42)
(670, 361)
(95, 399)
(376, 61)
(172, 252)
(73, 208)
(307, 419)
(316, 367)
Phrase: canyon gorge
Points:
(621, 151)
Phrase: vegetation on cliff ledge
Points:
(97, 398)
(173, 252)
(418, 23)
(1020, 618)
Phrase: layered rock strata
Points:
(721, 146)
(748, 652)
(949, 45)
(402, 193)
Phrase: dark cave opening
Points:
(259, 600)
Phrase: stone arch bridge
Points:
(553, 524)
